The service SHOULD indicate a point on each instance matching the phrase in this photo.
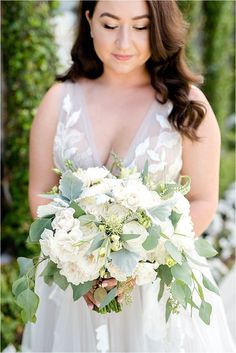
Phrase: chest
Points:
(116, 120)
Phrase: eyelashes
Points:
(114, 27)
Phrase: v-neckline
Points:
(91, 134)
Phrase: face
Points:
(120, 31)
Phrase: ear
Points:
(89, 21)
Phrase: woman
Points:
(130, 91)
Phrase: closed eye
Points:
(109, 27)
(141, 28)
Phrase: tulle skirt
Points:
(67, 326)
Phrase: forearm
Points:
(202, 213)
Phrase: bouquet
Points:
(98, 225)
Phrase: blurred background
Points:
(36, 40)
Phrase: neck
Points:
(134, 78)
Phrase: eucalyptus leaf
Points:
(182, 272)
(175, 217)
(28, 301)
(164, 273)
(26, 266)
(125, 260)
(96, 243)
(20, 285)
(173, 251)
(204, 248)
(152, 239)
(109, 297)
(178, 293)
(168, 310)
(209, 285)
(86, 219)
(70, 186)
(37, 228)
(60, 280)
(81, 289)
(78, 210)
(205, 312)
(125, 237)
(161, 212)
(161, 290)
(49, 270)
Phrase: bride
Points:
(130, 91)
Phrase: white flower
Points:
(46, 241)
(116, 272)
(182, 204)
(64, 219)
(46, 210)
(92, 176)
(85, 268)
(135, 245)
(186, 240)
(144, 273)
(158, 254)
(66, 246)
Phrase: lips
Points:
(122, 57)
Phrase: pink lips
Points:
(122, 57)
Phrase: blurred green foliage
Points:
(11, 323)
(29, 64)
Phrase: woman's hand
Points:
(108, 284)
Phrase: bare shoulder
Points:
(48, 109)
(209, 126)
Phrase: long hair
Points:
(170, 75)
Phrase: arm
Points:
(41, 176)
(201, 161)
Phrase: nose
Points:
(123, 39)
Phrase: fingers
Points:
(109, 283)
(120, 297)
(88, 302)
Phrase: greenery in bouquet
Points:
(98, 225)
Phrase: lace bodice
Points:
(156, 140)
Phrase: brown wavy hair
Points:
(169, 72)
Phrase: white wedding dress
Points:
(67, 326)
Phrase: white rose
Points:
(135, 245)
(186, 240)
(116, 272)
(84, 268)
(66, 244)
(182, 204)
(95, 190)
(64, 219)
(91, 176)
(159, 254)
(46, 241)
(144, 273)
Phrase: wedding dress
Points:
(67, 326)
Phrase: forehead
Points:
(122, 8)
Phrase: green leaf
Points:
(26, 266)
(96, 243)
(181, 292)
(161, 290)
(78, 210)
(70, 186)
(86, 219)
(109, 297)
(49, 270)
(152, 239)
(182, 272)
(173, 251)
(175, 217)
(28, 301)
(125, 260)
(203, 248)
(205, 312)
(191, 302)
(164, 273)
(161, 212)
(178, 292)
(60, 280)
(20, 285)
(209, 285)
(145, 173)
(81, 289)
(168, 309)
(37, 228)
(125, 237)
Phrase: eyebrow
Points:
(117, 18)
